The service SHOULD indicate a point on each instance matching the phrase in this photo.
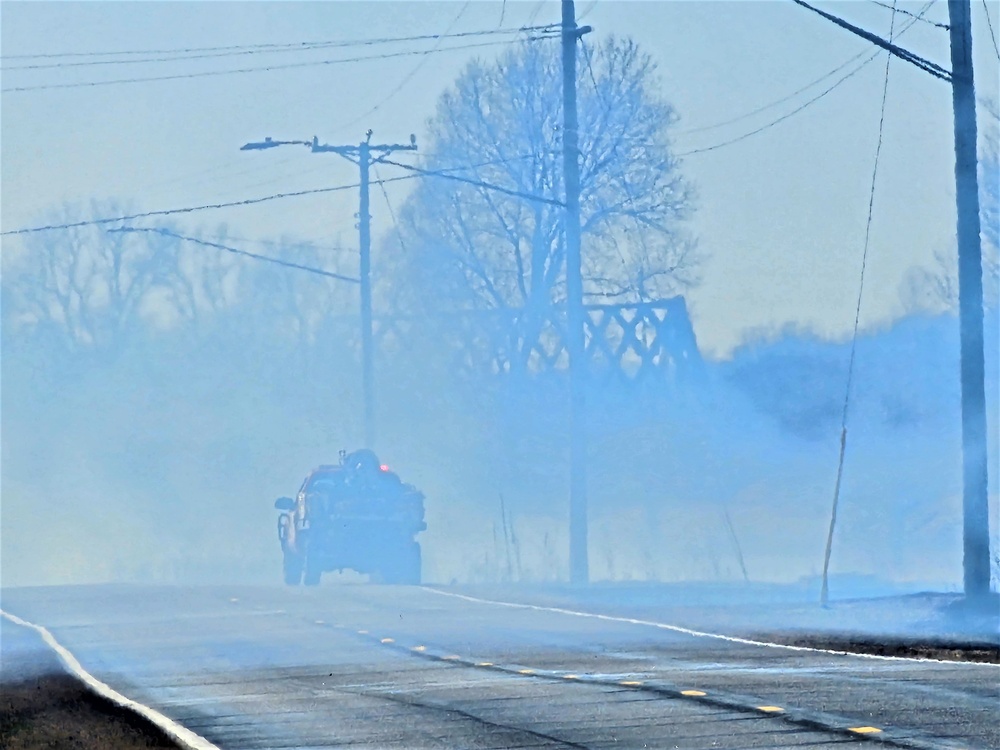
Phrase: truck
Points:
(356, 515)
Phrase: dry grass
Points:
(56, 711)
(43, 708)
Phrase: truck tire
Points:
(312, 574)
(312, 570)
(292, 566)
(404, 568)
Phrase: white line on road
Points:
(188, 739)
(700, 633)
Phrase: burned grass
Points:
(41, 706)
(915, 648)
(57, 711)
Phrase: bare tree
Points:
(474, 247)
(92, 286)
(95, 287)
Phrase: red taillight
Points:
(384, 467)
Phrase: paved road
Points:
(397, 667)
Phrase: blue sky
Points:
(781, 214)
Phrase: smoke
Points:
(159, 461)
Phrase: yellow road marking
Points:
(630, 683)
(526, 671)
(388, 640)
(419, 648)
(692, 692)
(771, 709)
(484, 664)
(864, 730)
(571, 677)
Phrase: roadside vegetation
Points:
(43, 707)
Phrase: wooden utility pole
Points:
(975, 461)
(365, 243)
(975, 503)
(578, 562)
(362, 156)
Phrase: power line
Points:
(534, 14)
(808, 86)
(784, 117)
(278, 47)
(442, 172)
(416, 68)
(776, 102)
(237, 251)
(589, 10)
(174, 58)
(392, 214)
(173, 51)
(174, 211)
(808, 103)
(926, 65)
(857, 320)
(912, 15)
(291, 243)
(993, 38)
(256, 69)
(477, 183)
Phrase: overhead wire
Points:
(440, 172)
(238, 251)
(857, 320)
(588, 10)
(989, 22)
(534, 14)
(843, 79)
(912, 15)
(926, 65)
(254, 69)
(409, 76)
(782, 100)
(392, 213)
(776, 102)
(177, 211)
(288, 243)
(275, 46)
(784, 117)
(477, 183)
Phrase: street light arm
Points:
(269, 142)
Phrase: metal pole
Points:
(578, 562)
(367, 363)
(975, 504)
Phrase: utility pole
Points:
(975, 503)
(362, 156)
(578, 561)
(975, 461)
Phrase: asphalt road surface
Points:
(399, 667)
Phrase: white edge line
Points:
(702, 634)
(188, 739)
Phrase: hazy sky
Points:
(781, 214)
